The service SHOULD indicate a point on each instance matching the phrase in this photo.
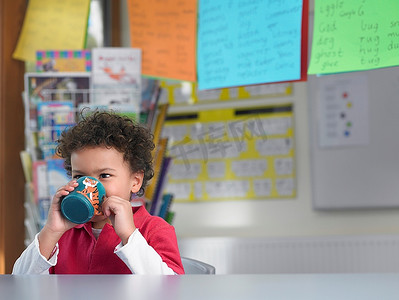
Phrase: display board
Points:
(355, 161)
(232, 154)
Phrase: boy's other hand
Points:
(119, 211)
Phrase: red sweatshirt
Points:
(81, 253)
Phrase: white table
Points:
(204, 287)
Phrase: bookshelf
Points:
(12, 125)
(55, 101)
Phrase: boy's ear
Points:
(137, 181)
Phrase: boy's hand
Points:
(56, 221)
(56, 224)
(119, 211)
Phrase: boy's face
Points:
(108, 166)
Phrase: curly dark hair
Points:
(103, 128)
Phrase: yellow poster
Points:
(52, 25)
(232, 154)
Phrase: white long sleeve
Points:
(32, 261)
(138, 256)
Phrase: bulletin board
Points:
(181, 93)
(232, 154)
(361, 172)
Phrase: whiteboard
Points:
(359, 176)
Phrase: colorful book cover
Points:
(127, 110)
(45, 87)
(147, 117)
(167, 200)
(41, 190)
(160, 115)
(63, 61)
(169, 217)
(116, 66)
(55, 113)
(149, 88)
(158, 154)
(157, 198)
(56, 175)
(116, 75)
(53, 118)
(26, 161)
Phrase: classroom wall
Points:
(280, 217)
(285, 218)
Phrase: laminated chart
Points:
(232, 154)
(187, 93)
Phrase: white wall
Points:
(279, 218)
(285, 218)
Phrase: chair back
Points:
(192, 266)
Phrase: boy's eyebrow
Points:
(105, 169)
(98, 170)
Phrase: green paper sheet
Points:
(354, 35)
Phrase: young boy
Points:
(124, 239)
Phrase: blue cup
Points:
(84, 201)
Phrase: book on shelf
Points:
(149, 87)
(53, 118)
(54, 86)
(63, 60)
(56, 175)
(40, 188)
(169, 217)
(55, 113)
(159, 120)
(26, 161)
(149, 109)
(167, 200)
(116, 76)
(126, 110)
(159, 154)
(32, 221)
(156, 201)
(32, 218)
(49, 175)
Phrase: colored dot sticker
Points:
(348, 124)
(347, 133)
(349, 104)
